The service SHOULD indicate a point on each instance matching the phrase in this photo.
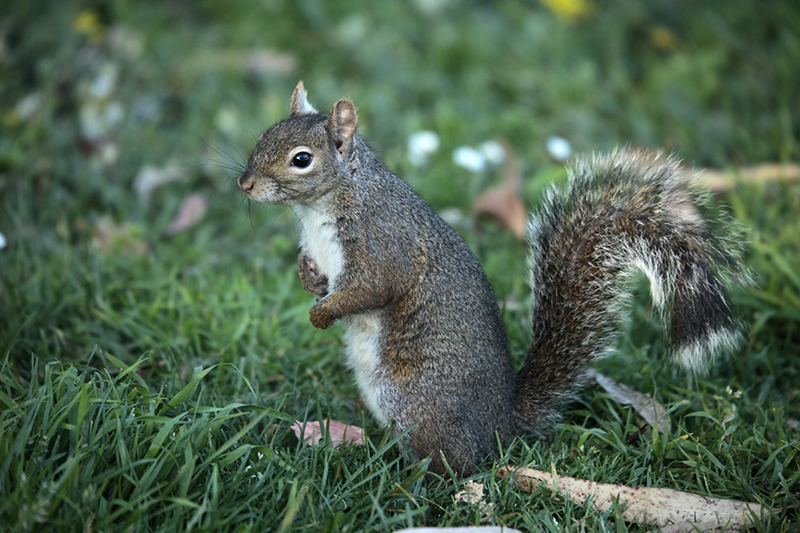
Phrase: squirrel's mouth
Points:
(260, 189)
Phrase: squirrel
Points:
(423, 330)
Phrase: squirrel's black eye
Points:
(301, 160)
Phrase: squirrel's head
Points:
(303, 157)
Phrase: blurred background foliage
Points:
(95, 90)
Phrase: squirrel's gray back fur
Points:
(425, 337)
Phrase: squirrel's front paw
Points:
(320, 319)
(313, 281)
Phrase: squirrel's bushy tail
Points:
(622, 213)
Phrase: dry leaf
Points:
(258, 61)
(149, 177)
(267, 61)
(193, 208)
(112, 238)
(504, 203)
(473, 495)
(341, 433)
(671, 510)
(720, 180)
(652, 411)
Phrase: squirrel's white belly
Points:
(321, 242)
(364, 331)
(363, 339)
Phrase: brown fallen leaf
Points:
(671, 510)
(269, 61)
(473, 495)
(652, 411)
(151, 177)
(192, 209)
(257, 61)
(113, 238)
(313, 432)
(504, 203)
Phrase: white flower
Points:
(97, 118)
(29, 106)
(109, 153)
(432, 7)
(493, 151)
(105, 82)
(115, 112)
(420, 145)
(3, 241)
(92, 121)
(558, 148)
(469, 158)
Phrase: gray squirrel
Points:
(424, 334)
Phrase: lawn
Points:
(152, 364)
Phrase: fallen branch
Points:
(671, 510)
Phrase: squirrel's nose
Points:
(246, 182)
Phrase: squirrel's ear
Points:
(342, 125)
(300, 105)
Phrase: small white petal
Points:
(91, 121)
(432, 7)
(426, 141)
(115, 112)
(3, 241)
(102, 86)
(29, 105)
(420, 145)
(558, 148)
(109, 153)
(493, 152)
(469, 158)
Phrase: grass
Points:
(111, 452)
(149, 382)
